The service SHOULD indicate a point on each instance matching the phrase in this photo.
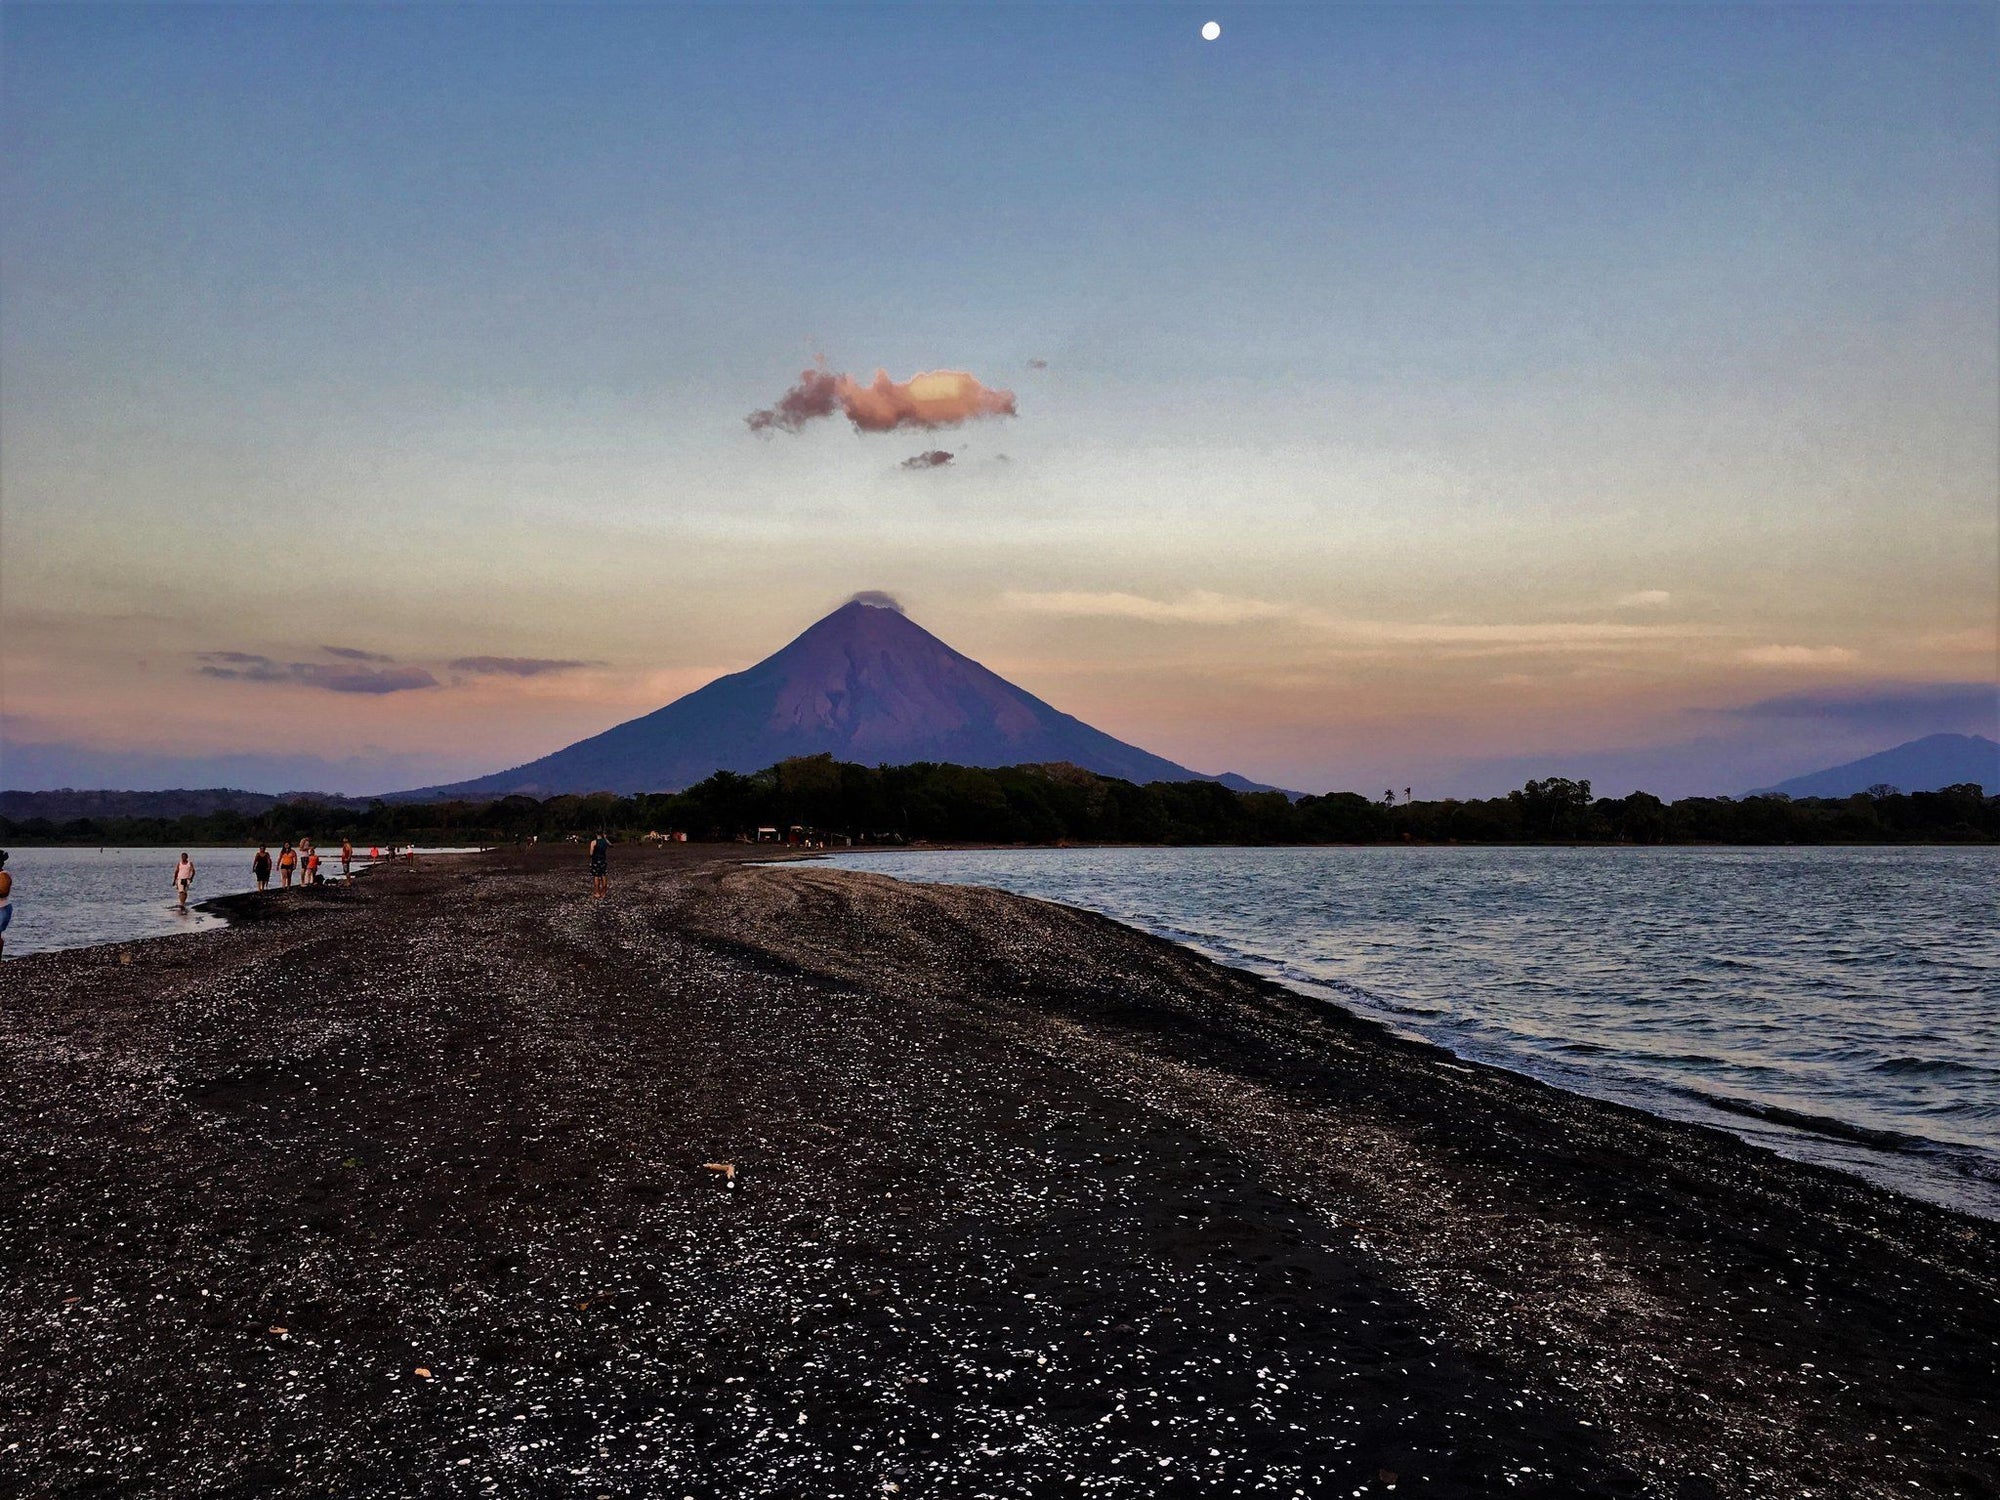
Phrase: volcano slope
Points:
(412, 1188)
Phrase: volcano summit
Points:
(865, 684)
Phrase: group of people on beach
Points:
(301, 861)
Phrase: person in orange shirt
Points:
(346, 858)
(288, 861)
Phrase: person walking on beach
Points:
(346, 858)
(6, 900)
(312, 867)
(600, 867)
(288, 861)
(260, 866)
(183, 878)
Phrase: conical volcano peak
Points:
(856, 629)
(875, 599)
(860, 616)
(865, 683)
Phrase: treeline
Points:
(1051, 804)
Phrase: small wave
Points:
(1962, 1109)
(1926, 1065)
(1708, 1062)
(1826, 1125)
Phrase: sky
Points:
(1411, 395)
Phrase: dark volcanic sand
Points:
(1026, 1203)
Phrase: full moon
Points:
(1211, 31)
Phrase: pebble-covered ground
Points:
(411, 1188)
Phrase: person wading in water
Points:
(260, 866)
(600, 867)
(6, 900)
(183, 878)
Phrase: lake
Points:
(1841, 1005)
(72, 898)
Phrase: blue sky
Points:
(1523, 381)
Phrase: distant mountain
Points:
(1936, 760)
(865, 684)
(68, 805)
(1237, 783)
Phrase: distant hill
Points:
(67, 805)
(1925, 765)
(866, 684)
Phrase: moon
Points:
(1211, 31)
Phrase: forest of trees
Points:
(1049, 804)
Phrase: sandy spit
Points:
(798, 1182)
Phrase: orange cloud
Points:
(929, 399)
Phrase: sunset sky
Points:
(1408, 395)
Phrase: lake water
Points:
(71, 898)
(1839, 1005)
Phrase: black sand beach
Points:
(403, 1189)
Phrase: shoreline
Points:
(436, 1114)
(249, 907)
(1712, 1113)
(1908, 1163)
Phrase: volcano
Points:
(866, 684)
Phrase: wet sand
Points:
(1024, 1203)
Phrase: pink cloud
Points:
(928, 399)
